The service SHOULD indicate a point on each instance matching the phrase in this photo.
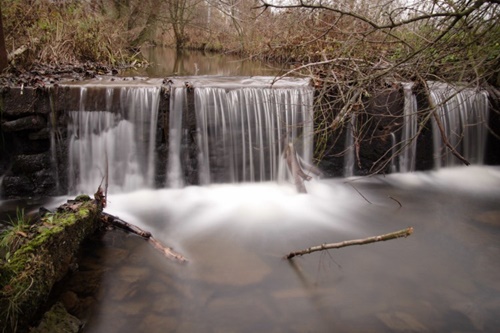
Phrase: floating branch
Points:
(119, 223)
(393, 235)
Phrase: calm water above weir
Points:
(167, 62)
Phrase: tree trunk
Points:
(3, 51)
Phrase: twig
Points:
(165, 250)
(361, 194)
(399, 203)
(393, 235)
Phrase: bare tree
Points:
(181, 13)
(3, 50)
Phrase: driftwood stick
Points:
(293, 164)
(393, 235)
(166, 251)
(119, 223)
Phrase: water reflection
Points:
(443, 278)
(169, 62)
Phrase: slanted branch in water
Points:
(393, 235)
(297, 173)
(119, 223)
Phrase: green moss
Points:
(83, 198)
(29, 274)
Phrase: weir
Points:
(463, 114)
(154, 133)
(240, 130)
(117, 143)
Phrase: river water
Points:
(443, 278)
(167, 62)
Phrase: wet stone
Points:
(42, 134)
(153, 323)
(85, 282)
(229, 265)
(133, 308)
(24, 123)
(26, 164)
(472, 312)
(70, 301)
(167, 303)
(490, 218)
(401, 322)
(156, 288)
(121, 291)
(132, 274)
(57, 319)
(112, 256)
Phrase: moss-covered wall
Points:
(43, 258)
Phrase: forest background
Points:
(343, 42)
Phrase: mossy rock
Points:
(44, 257)
(58, 320)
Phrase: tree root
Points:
(393, 235)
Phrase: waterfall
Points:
(219, 130)
(407, 157)
(121, 144)
(350, 149)
(242, 132)
(175, 174)
(463, 113)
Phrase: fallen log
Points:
(393, 235)
(121, 224)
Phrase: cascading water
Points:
(407, 157)
(463, 113)
(242, 132)
(175, 173)
(349, 158)
(241, 129)
(119, 144)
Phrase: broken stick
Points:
(293, 164)
(119, 223)
(393, 235)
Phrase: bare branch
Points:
(393, 235)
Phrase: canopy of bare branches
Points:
(364, 42)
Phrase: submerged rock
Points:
(57, 319)
(228, 265)
(402, 322)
